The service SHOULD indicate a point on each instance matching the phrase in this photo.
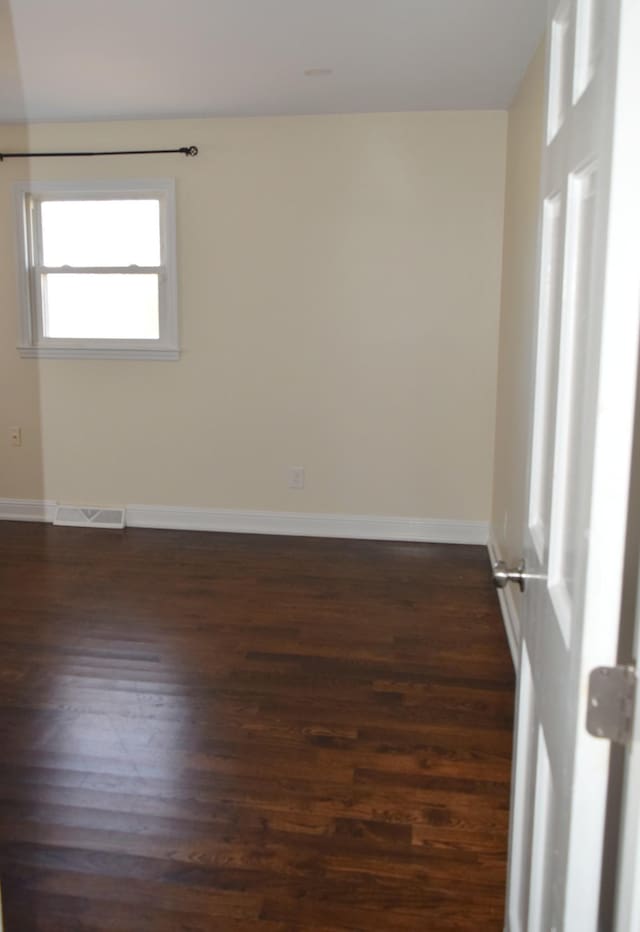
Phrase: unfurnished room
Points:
(319, 466)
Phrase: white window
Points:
(98, 269)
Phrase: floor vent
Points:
(75, 516)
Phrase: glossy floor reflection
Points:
(218, 732)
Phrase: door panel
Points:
(571, 459)
(589, 31)
(582, 421)
(546, 373)
(560, 37)
(522, 801)
(540, 849)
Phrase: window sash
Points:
(34, 221)
(42, 340)
(89, 306)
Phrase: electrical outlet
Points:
(296, 477)
(15, 436)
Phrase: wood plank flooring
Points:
(249, 734)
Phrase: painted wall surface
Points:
(339, 293)
(20, 468)
(517, 321)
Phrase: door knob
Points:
(503, 575)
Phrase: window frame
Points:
(33, 343)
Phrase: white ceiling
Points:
(109, 59)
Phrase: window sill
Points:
(76, 352)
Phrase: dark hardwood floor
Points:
(216, 732)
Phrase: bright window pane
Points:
(94, 233)
(103, 307)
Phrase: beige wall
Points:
(339, 301)
(517, 323)
(20, 469)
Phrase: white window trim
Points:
(32, 343)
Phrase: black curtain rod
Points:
(184, 150)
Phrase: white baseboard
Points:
(25, 509)
(510, 614)
(359, 527)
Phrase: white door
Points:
(579, 460)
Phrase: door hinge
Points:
(612, 693)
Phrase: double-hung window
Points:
(98, 269)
